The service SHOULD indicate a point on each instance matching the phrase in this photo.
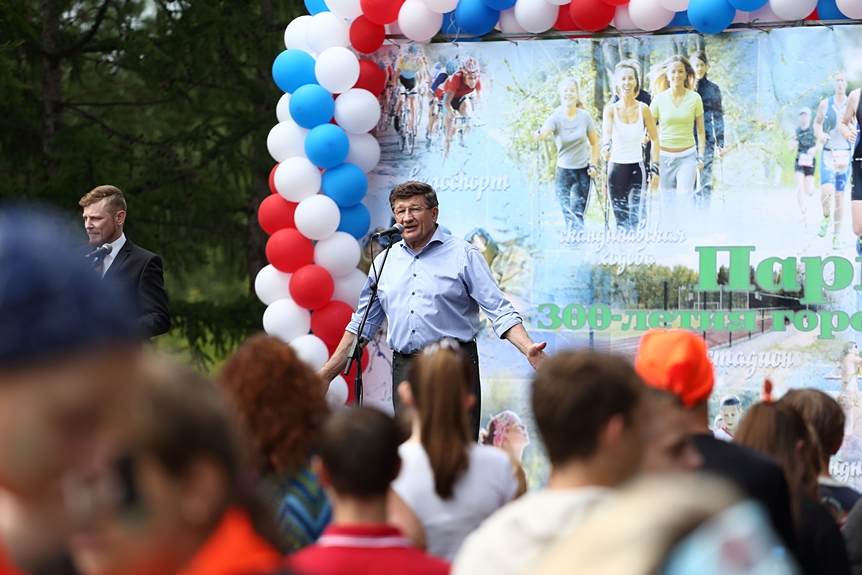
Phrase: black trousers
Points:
(401, 368)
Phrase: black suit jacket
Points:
(136, 275)
(757, 475)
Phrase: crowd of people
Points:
(116, 461)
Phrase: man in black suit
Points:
(134, 272)
(676, 361)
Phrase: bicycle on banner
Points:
(457, 98)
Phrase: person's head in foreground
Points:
(438, 391)
(588, 409)
(675, 361)
(67, 357)
(779, 431)
(180, 501)
(280, 402)
(668, 445)
(678, 525)
(824, 416)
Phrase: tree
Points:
(170, 101)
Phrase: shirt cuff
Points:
(505, 322)
(370, 328)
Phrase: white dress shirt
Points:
(116, 246)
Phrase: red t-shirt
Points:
(365, 550)
(456, 84)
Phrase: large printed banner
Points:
(751, 245)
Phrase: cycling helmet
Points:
(470, 65)
(413, 48)
(451, 67)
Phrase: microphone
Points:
(103, 251)
(397, 229)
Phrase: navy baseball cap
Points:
(51, 301)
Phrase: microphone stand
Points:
(354, 354)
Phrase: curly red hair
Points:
(281, 401)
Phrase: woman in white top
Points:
(447, 482)
(623, 125)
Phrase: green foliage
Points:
(171, 102)
(642, 286)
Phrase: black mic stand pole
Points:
(354, 354)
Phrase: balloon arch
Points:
(324, 150)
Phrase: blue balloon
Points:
(500, 4)
(355, 221)
(450, 28)
(710, 16)
(316, 6)
(748, 5)
(475, 17)
(345, 184)
(681, 19)
(828, 10)
(311, 105)
(293, 68)
(326, 146)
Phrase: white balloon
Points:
(762, 15)
(296, 32)
(347, 9)
(337, 69)
(560, 2)
(338, 254)
(418, 22)
(792, 9)
(336, 395)
(349, 286)
(310, 349)
(317, 217)
(271, 285)
(296, 179)
(282, 109)
(536, 15)
(649, 15)
(508, 24)
(441, 6)
(674, 5)
(286, 320)
(850, 8)
(357, 111)
(286, 140)
(364, 151)
(326, 30)
(622, 20)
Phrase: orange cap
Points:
(675, 360)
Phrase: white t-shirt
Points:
(509, 542)
(488, 484)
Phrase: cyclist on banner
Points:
(436, 96)
(410, 71)
(457, 93)
(835, 157)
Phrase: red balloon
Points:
(366, 36)
(288, 250)
(564, 20)
(311, 286)
(813, 16)
(328, 322)
(381, 11)
(275, 213)
(272, 180)
(371, 77)
(591, 15)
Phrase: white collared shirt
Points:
(116, 246)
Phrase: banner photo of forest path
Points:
(505, 187)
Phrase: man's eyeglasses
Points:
(412, 210)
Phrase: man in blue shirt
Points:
(432, 287)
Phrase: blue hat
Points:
(51, 302)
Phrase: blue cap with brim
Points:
(51, 301)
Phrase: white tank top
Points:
(626, 140)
